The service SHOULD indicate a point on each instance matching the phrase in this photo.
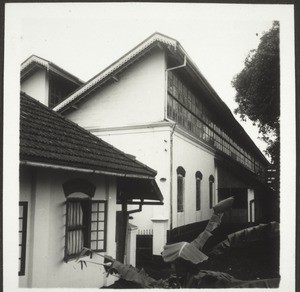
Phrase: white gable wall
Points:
(45, 266)
(37, 86)
(138, 97)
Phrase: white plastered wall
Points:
(37, 86)
(192, 157)
(150, 146)
(46, 233)
(137, 97)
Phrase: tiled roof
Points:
(47, 137)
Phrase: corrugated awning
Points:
(135, 190)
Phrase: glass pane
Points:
(94, 235)
(20, 211)
(101, 235)
(94, 216)
(101, 216)
(20, 224)
(94, 206)
(100, 245)
(94, 226)
(93, 245)
(101, 206)
(101, 226)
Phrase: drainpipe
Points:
(126, 213)
(171, 176)
(171, 143)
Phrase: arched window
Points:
(180, 189)
(85, 218)
(198, 190)
(211, 191)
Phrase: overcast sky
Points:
(85, 38)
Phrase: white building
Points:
(155, 104)
(70, 182)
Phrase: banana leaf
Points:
(213, 279)
(192, 252)
(246, 236)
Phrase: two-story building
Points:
(155, 104)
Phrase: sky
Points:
(86, 38)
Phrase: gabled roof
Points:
(174, 48)
(34, 62)
(118, 65)
(47, 138)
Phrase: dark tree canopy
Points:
(258, 89)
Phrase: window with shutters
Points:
(85, 226)
(86, 219)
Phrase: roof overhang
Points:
(138, 191)
(41, 164)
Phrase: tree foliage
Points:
(258, 89)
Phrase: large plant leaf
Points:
(244, 237)
(213, 279)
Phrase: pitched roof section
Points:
(47, 137)
(113, 68)
(34, 62)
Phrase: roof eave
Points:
(83, 170)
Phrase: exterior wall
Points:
(37, 86)
(138, 97)
(27, 194)
(46, 233)
(151, 146)
(192, 157)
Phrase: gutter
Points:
(86, 170)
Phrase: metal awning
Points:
(137, 190)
